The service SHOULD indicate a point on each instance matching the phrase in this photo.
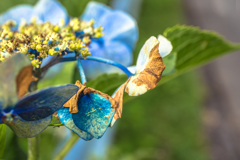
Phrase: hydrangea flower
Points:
(89, 113)
(27, 115)
(120, 29)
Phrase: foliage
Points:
(195, 47)
(192, 47)
(2, 139)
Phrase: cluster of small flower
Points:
(39, 41)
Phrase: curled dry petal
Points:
(149, 69)
(72, 103)
(118, 97)
(165, 46)
(23, 80)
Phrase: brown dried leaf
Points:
(72, 102)
(118, 97)
(24, 79)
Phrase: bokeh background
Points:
(192, 117)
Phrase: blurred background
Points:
(192, 117)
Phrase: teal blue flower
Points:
(30, 115)
(93, 113)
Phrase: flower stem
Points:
(33, 143)
(33, 148)
(56, 125)
(67, 147)
(107, 61)
(81, 71)
(56, 61)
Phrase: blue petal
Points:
(94, 115)
(45, 10)
(39, 105)
(28, 129)
(66, 118)
(17, 13)
(1, 115)
(51, 11)
(117, 24)
(9, 70)
(120, 26)
(113, 50)
(95, 10)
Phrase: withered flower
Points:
(90, 112)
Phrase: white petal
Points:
(134, 90)
(143, 57)
(165, 46)
(132, 69)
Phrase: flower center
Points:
(39, 41)
(8, 117)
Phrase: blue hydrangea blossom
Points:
(120, 29)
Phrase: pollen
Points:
(40, 40)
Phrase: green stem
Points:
(33, 148)
(56, 125)
(67, 147)
(33, 143)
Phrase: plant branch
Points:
(67, 147)
(33, 148)
(56, 125)
(33, 143)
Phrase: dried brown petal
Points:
(72, 102)
(118, 97)
(149, 71)
(23, 80)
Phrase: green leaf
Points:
(170, 63)
(195, 47)
(2, 139)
